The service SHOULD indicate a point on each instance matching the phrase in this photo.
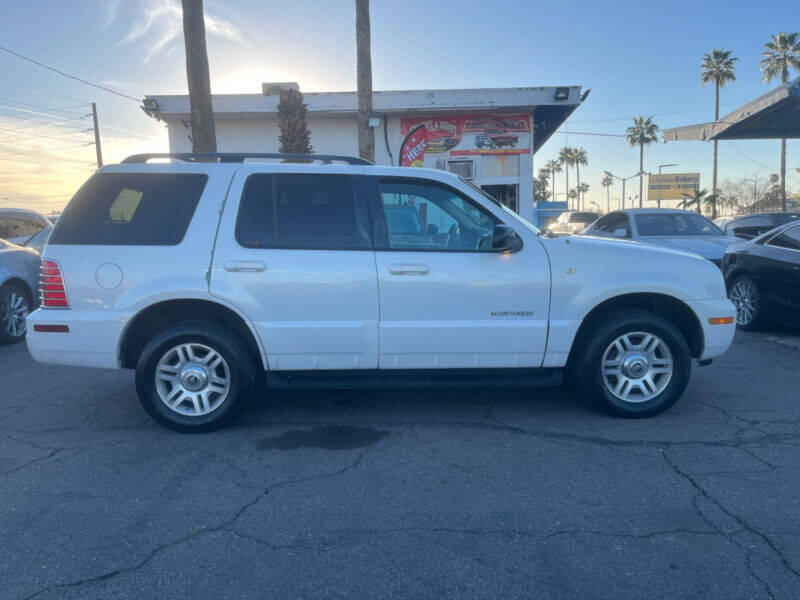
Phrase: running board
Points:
(396, 378)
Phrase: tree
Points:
(565, 158)
(781, 54)
(698, 198)
(366, 134)
(718, 67)
(201, 119)
(642, 133)
(579, 157)
(583, 188)
(607, 182)
(294, 137)
(553, 166)
(573, 195)
(540, 185)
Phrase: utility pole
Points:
(366, 134)
(204, 136)
(97, 137)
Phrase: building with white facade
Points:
(486, 135)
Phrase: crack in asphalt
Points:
(225, 525)
(739, 521)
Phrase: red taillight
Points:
(53, 292)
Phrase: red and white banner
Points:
(461, 135)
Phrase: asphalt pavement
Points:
(413, 494)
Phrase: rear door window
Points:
(131, 209)
(301, 211)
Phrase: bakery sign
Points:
(460, 135)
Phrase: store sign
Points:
(462, 135)
(672, 186)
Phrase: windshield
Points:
(583, 217)
(786, 218)
(675, 224)
(499, 204)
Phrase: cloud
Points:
(157, 26)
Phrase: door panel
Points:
(299, 263)
(444, 303)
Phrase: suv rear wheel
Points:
(194, 377)
(15, 305)
(636, 364)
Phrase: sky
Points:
(638, 58)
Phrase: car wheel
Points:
(15, 304)
(194, 377)
(636, 364)
(744, 295)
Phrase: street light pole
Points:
(623, 180)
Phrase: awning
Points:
(775, 115)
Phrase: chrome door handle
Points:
(245, 266)
(408, 269)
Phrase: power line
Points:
(47, 124)
(35, 197)
(38, 120)
(38, 89)
(46, 150)
(590, 133)
(44, 66)
(750, 158)
(663, 114)
(69, 112)
(33, 135)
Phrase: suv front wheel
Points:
(194, 377)
(636, 364)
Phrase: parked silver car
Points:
(19, 284)
(671, 228)
(18, 224)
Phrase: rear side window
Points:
(300, 211)
(131, 209)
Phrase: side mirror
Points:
(433, 229)
(620, 233)
(505, 239)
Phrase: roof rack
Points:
(239, 157)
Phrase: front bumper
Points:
(716, 338)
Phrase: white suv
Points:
(211, 277)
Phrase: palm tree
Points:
(565, 158)
(781, 54)
(583, 188)
(201, 114)
(366, 134)
(607, 182)
(553, 166)
(719, 68)
(642, 133)
(698, 198)
(579, 157)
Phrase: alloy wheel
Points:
(637, 366)
(192, 379)
(13, 313)
(743, 297)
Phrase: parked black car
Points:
(763, 277)
(751, 226)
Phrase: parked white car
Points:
(203, 276)
(19, 224)
(671, 228)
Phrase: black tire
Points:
(756, 321)
(11, 330)
(242, 369)
(590, 372)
